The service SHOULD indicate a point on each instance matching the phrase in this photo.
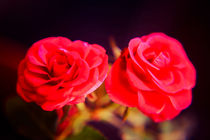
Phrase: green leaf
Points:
(88, 133)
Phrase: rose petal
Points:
(103, 69)
(59, 94)
(182, 99)
(132, 48)
(89, 86)
(134, 80)
(24, 84)
(42, 54)
(168, 113)
(71, 73)
(80, 47)
(21, 67)
(33, 56)
(59, 41)
(118, 88)
(133, 44)
(93, 59)
(189, 74)
(35, 61)
(151, 102)
(35, 79)
(170, 87)
(23, 93)
(172, 46)
(38, 52)
(141, 58)
(28, 95)
(100, 49)
(82, 76)
(37, 69)
(45, 89)
(77, 100)
(50, 106)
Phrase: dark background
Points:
(22, 22)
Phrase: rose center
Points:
(60, 64)
(160, 60)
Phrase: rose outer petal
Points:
(93, 59)
(182, 99)
(151, 102)
(58, 41)
(189, 74)
(35, 79)
(43, 53)
(78, 46)
(36, 69)
(28, 95)
(77, 100)
(22, 93)
(167, 113)
(50, 106)
(103, 68)
(132, 48)
(35, 61)
(99, 48)
(117, 86)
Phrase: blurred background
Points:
(22, 22)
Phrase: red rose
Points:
(153, 74)
(57, 71)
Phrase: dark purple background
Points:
(23, 22)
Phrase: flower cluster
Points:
(152, 74)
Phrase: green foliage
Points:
(88, 133)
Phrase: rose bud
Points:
(58, 72)
(153, 74)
